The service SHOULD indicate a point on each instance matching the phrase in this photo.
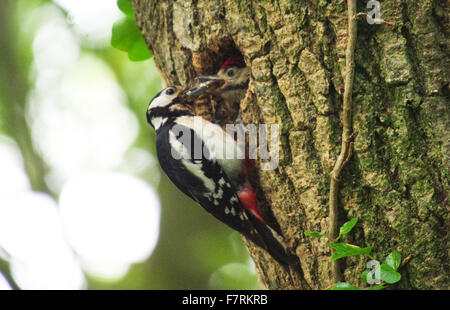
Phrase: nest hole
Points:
(210, 62)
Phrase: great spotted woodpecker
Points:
(195, 155)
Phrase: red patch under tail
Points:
(248, 199)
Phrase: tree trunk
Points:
(396, 181)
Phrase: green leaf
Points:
(124, 34)
(126, 7)
(344, 250)
(364, 276)
(388, 274)
(347, 227)
(344, 286)
(315, 234)
(127, 37)
(394, 260)
(139, 51)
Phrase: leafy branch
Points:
(380, 274)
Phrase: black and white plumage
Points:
(210, 177)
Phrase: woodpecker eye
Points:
(230, 72)
(170, 91)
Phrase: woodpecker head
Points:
(235, 76)
(162, 105)
(175, 101)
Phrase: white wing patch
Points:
(221, 146)
(195, 167)
(197, 171)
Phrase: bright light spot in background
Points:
(12, 177)
(93, 20)
(77, 111)
(111, 220)
(31, 233)
(80, 124)
(30, 230)
(54, 48)
(4, 285)
(140, 162)
(234, 275)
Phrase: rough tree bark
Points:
(396, 181)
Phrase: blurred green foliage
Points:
(194, 250)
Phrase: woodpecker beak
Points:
(210, 81)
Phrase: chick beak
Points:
(204, 78)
